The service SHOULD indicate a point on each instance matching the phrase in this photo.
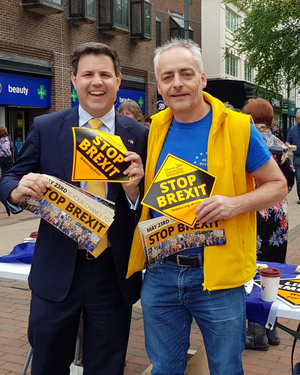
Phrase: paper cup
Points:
(269, 281)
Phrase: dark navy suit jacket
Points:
(49, 149)
(294, 138)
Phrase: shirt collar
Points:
(108, 119)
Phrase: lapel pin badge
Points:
(131, 141)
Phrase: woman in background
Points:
(131, 109)
(6, 150)
(272, 223)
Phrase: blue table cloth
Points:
(22, 252)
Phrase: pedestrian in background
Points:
(272, 223)
(148, 121)
(6, 150)
(131, 109)
(277, 131)
(294, 139)
(230, 106)
(66, 281)
(206, 284)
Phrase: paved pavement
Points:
(15, 297)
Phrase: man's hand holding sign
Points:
(176, 190)
(215, 208)
(98, 156)
(219, 207)
(104, 157)
(135, 172)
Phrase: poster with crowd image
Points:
(78, 214)
(163, 236)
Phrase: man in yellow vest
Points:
(204, 283)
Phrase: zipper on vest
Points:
(222, 116)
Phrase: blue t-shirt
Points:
(188, 141)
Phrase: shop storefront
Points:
(20, 93)
(288, 116)
(277, 107)
(234, 92)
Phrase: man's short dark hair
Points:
(148, 119)
(94, 48)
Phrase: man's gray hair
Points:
(178, 42)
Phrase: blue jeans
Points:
(296, 162)
(171, 297)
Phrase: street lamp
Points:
(186, 18)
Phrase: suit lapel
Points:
(125, 132)
(64, 136)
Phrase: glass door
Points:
(16, 128)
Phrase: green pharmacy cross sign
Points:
(74, 96)
(41, 92)
(141, 102)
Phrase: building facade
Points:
(229, 77)
(39, 36)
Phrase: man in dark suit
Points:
(65, 280)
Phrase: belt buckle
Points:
(178, 260)
(198, 258)
(180, 257)
(89, 256)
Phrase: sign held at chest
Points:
(98, 156)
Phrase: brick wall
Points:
(53, 38)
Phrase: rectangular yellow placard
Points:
(178, 188)
(98, 156)
(78, 214)
(163, 236)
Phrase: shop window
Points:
(158, 32)
(140, 20)
(44, 7)
(231, 64)
(177, 26)
(113, 16)
(82, 11)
